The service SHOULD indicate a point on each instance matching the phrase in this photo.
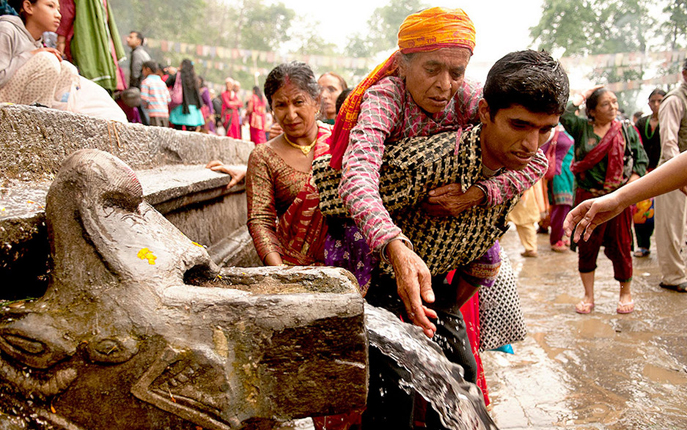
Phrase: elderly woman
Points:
(608, 155)
(419, 91)
(30, 73)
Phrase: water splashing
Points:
(432, 375)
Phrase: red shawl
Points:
(302, 228)
(613, 145)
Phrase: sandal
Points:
(584, 307)
(641, 252)
(680, 288)
(625, 308)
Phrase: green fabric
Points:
(90, 45)
(582, 131)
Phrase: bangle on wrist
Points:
(402, 237)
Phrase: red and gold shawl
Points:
(302, 229)
(428, 30)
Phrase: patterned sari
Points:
(283, 206)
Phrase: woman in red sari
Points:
(256, 116)
(230, 110)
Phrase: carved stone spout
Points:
(139, 329)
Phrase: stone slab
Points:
(35, 141)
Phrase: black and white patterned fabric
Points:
(500, 315)
(412, 167)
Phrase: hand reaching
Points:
(237, 173)
(589, 214)
(414, 284)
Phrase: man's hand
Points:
(414, 283)
(450, 200)
(590, 213)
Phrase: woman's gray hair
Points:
(296, 73)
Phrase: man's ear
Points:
(483, 110)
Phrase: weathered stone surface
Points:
(35, 141)
(193, 198)
(140, 329)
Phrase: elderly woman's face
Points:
(433, 77)
(294, 110)
(606, 109)
(330, 88)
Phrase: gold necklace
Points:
(304, 149)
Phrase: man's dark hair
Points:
(684, 65)
(139, 36)
(152, 65)
(296, 73)
(532, 79)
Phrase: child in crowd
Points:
(155, 95)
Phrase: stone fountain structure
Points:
(139, 328)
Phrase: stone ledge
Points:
(35, 141)
(170, 189)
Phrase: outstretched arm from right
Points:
(590, 213)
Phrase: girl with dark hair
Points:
(255, 113)
(188, 113)
(608, 155)
(29, 72)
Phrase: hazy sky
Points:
(502, 25)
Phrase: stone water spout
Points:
(139, 329)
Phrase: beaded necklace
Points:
(647, 128)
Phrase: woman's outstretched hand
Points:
(237, 173)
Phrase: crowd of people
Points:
(409, 178)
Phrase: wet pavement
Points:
(596, 371)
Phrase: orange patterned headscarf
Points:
(428, 30)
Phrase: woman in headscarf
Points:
(419, 91)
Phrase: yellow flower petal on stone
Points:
(142, 253)
(197, 244)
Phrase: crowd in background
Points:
(587, 156)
